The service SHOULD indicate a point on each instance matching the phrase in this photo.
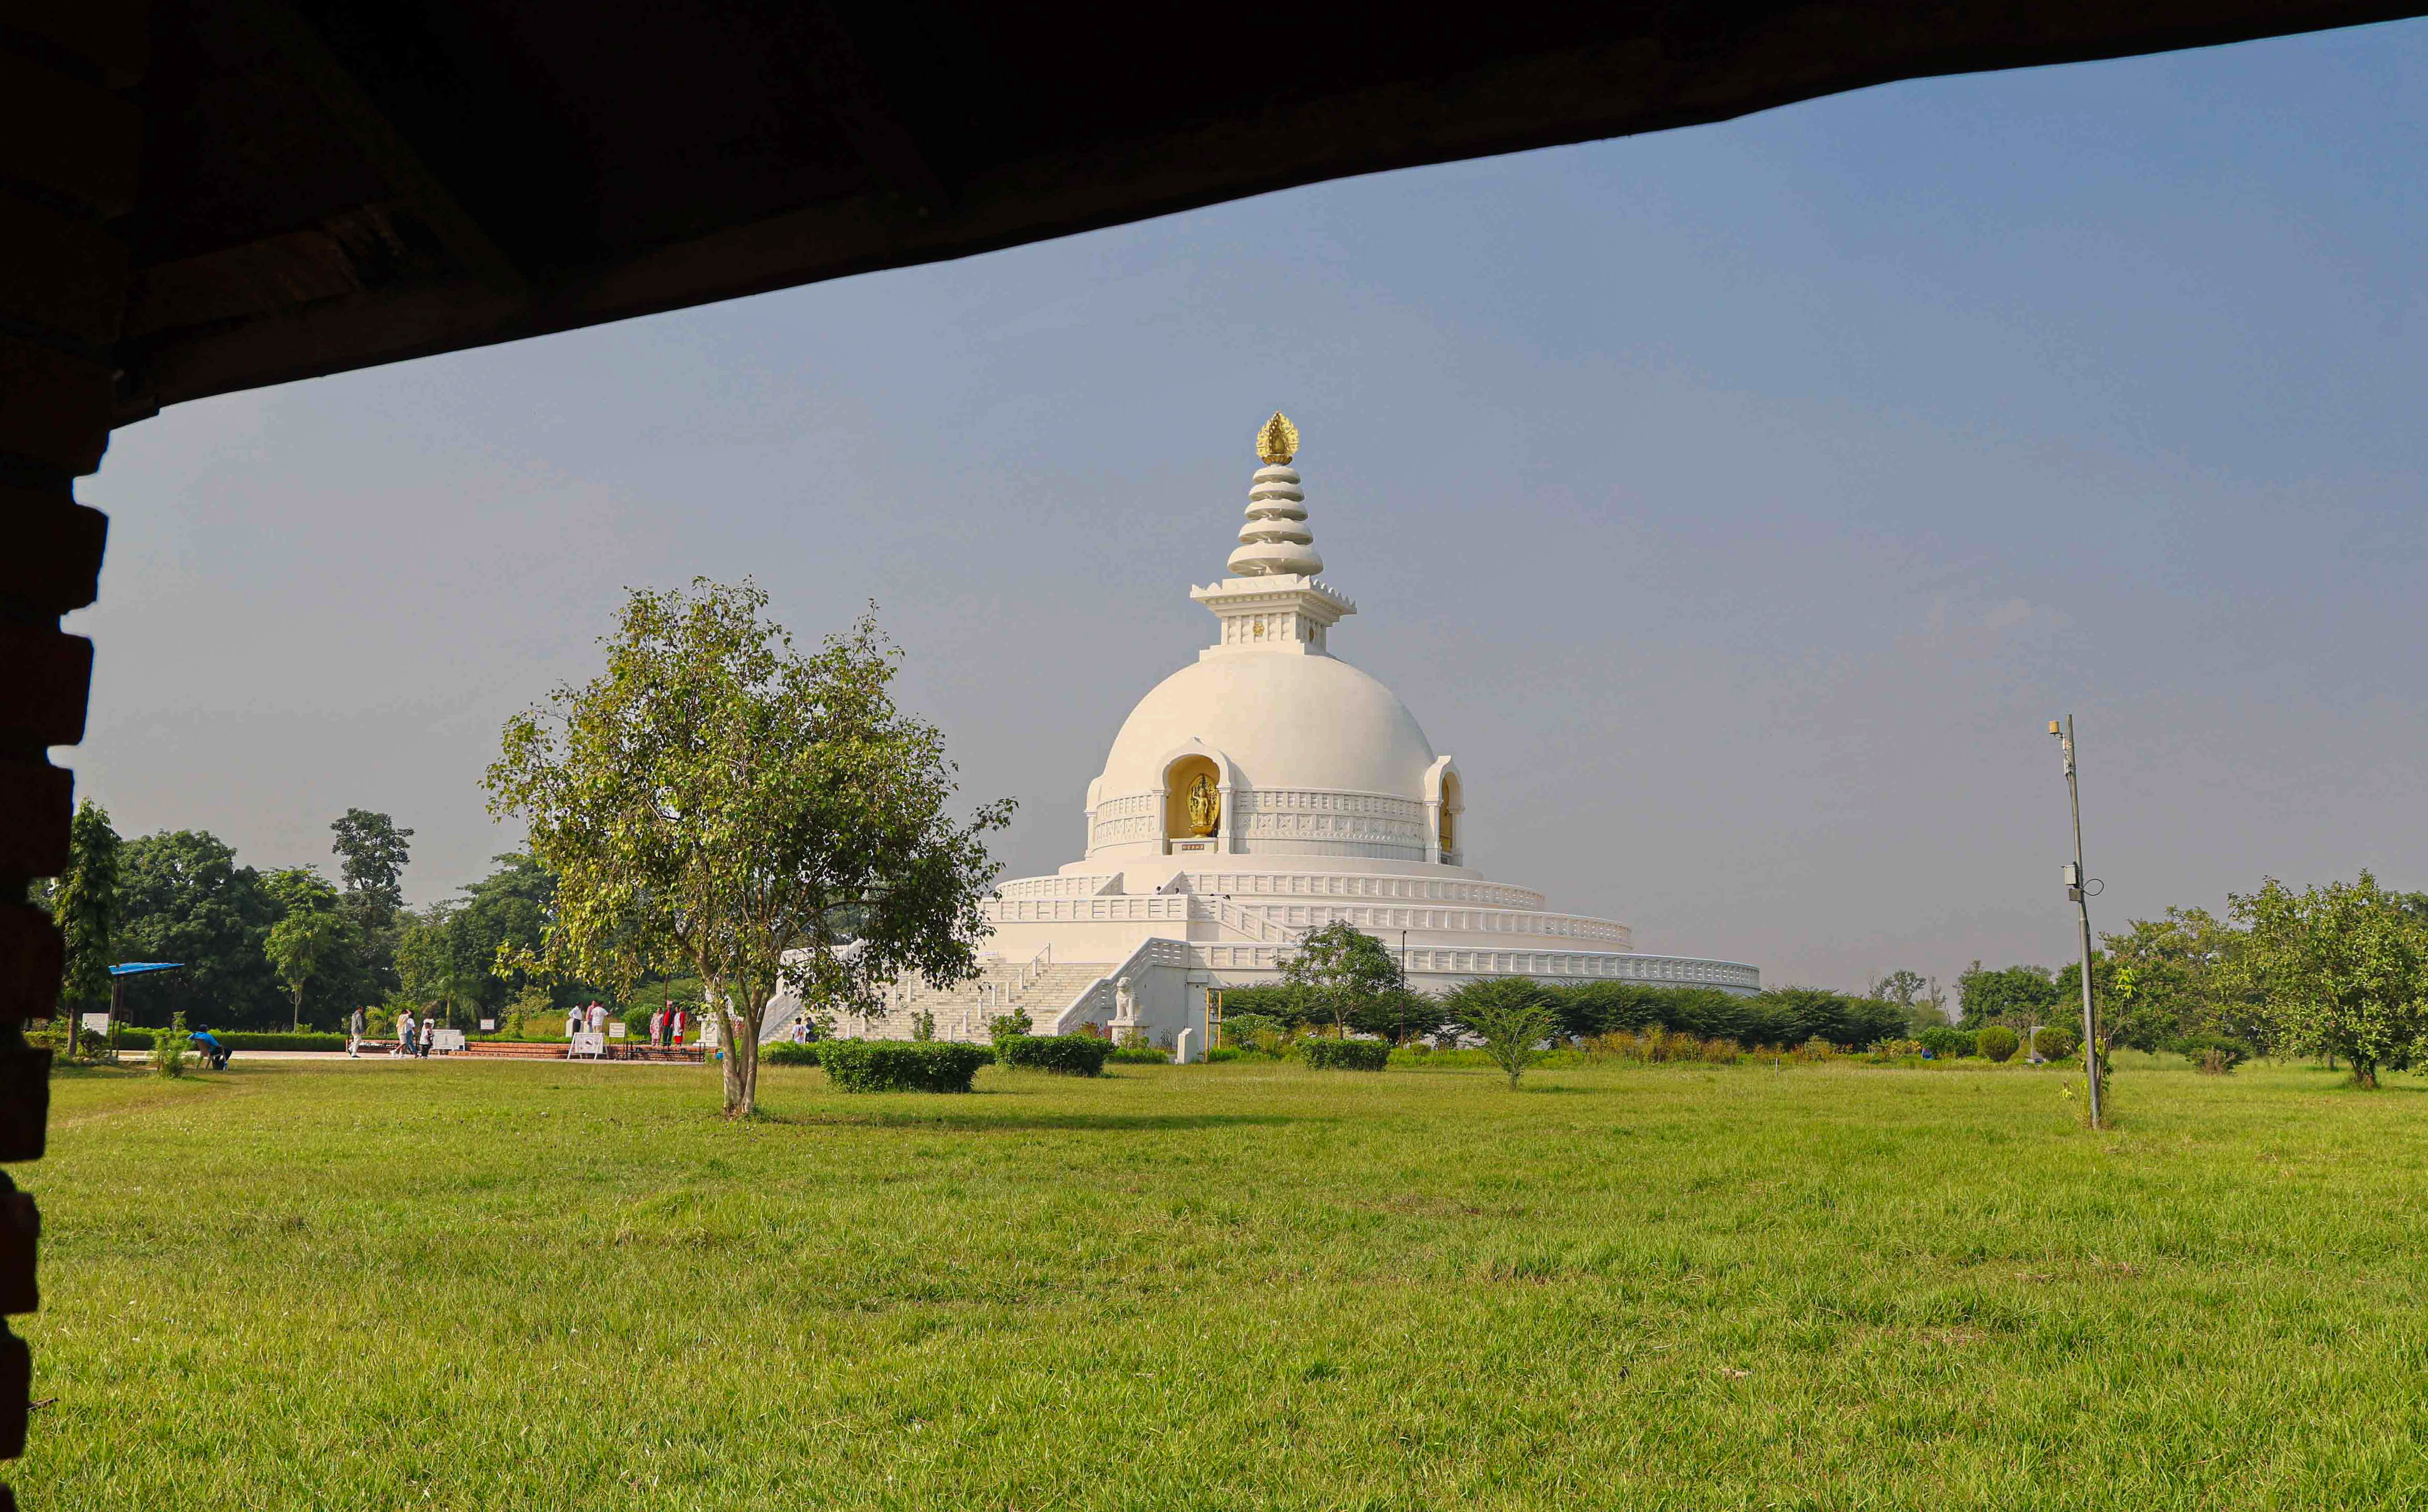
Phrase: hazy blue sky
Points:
(1737, 505)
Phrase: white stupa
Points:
(1265, 789)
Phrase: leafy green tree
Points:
(1512, 1015)
(83, 904)
(373, 853)
(2342, 970)
(182, 896)
(312, 940)
(1340, 972)
(2175, 977)
(716, 799)
(2014, 994)
(1914, 995)
(440, 962)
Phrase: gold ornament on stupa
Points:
(1278, 441)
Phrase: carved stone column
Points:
(70, 138)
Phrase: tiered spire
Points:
(1275, 541)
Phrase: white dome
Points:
(1285, 721)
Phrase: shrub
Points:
(1260, 1032)
(1139, 1054)
(2212, 1055)
(1010, 1024)
(1221, 1052)
(2056, 1041)
(1065, 1054)
(1890, 1050)
(1814, 1050)
(1345, 1055)
(1948, 1043)
(787, 1053)
(168, 1048)
(1512, 1015)
(1721, 1052)
(894, 1066)
(1997, 1042)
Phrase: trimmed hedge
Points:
(1997, 1042)
(1139, 1055)
(1065, 1054)
(243, 1040)
(787, 1053)
(2057, 1042)
(1948, 1043)
(1345, 1055)
(901, 1065)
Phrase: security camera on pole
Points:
(2077, 892)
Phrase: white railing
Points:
(1103, 992)
(1036, 968)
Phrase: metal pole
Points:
(2076, 890)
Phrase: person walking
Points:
(429, 1032)
(403, 1033)
(354, 1027)
(656, 1027)
(573, 1021)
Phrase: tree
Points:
(440, 962)
(83, 904)
(183, 897)
(2341, 969)
(717, 799)
(2016, 994)
(1342, 970)
(373, 853)
(1512, 1015)
(1916, 996)
(313, 939)
(2178, 976)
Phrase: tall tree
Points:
(2015, 994)
(83, 903)
(1339, 971)
(2342, 970)
(182, 896)
(313, 939)
(373, 853)
(716, 798)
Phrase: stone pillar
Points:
(68, 160)
(1185, 1049)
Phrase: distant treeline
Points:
(1780, 1016)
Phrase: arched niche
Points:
(1445, 801)
(1181, 781)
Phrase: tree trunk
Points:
(2364, 1073)
(739, 1030)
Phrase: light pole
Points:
(2077, 891)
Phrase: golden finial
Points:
(1278, 441)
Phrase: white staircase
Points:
(964, 1011)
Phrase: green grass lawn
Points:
(546, 1285)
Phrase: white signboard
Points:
(98, 1023)
(589, 1045)
(488, 1026)
(445, 1041)
(619, 1028)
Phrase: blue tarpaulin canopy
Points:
(137, 967)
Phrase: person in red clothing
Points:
(680, 1022)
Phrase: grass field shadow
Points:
(980, 1123)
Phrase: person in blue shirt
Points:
(212, 1051)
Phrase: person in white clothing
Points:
(403, 1033)
(573, 1021)
(598, 1018)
